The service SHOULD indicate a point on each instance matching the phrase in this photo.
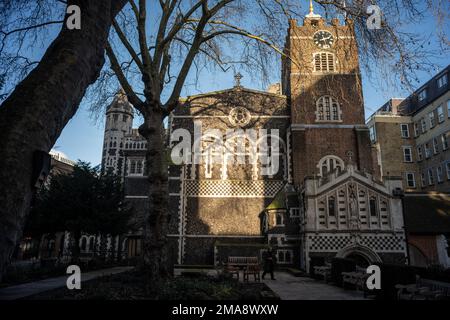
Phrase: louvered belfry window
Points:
(324, 62)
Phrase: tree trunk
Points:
(36, 112)
(154, 249)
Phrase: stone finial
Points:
(237, 79)
(311, 13)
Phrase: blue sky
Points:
(83, 137)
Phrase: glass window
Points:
(431, 119)
(423, 95)
(435, 146)
(439, 174)
(330, 164)
(448, 108)
(372, 133)
(136, 167)
(427, 150)
(440, 113)
(447, 168)
(442, 81)
(405, 130)
(279, 219)
(416, 130)
(294, 212)
(410, 180)
(423, 124)
(407, 154)
(327, 109)
(430, 176)
(444, 141)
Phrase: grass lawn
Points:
(133, 286)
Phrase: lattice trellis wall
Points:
(377, 242)
(233, 188)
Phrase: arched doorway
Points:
(363, 256)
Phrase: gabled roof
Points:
(234, 89)
(427, 213)
(284, 199)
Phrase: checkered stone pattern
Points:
(328, 243)
(233, 189)
(378, 243)
(384, 243)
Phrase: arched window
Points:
(330, 164)
(324, 62)
(328, 109)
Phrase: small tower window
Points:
(328, 109)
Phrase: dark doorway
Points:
(360, 260)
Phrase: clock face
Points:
(323, 39)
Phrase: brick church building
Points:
(325, 197)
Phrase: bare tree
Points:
(35, 112)
(153, 63)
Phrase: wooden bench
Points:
(324, 271)
(424, 289)
(356, 278)
(250, 265)
(252, 269)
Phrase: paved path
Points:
(32, 288)
(289, 287)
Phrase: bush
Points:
(339, 265)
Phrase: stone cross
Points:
(237, 79)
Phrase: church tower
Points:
(119, 122)
(322, 79)
(345, 212)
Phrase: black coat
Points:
(269, 261)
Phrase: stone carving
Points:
(239, 117)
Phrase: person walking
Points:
(269, 263)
